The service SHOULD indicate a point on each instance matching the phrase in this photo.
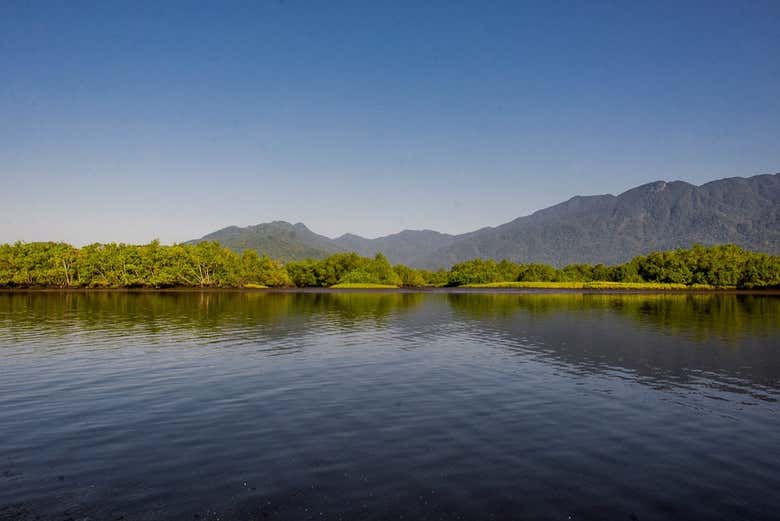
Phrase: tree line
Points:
(208, 264)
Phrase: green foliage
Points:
(725, 265)
(262, 271)
(475, 271)
(46, 264)
(410, 277)
(375, 271)
(628, 272)
(537, 273)
(699, 267)
(302, 273)
(702, 267)
(208, 264)
(529, 284)
(436, 278)
(326, 272)
(760, 271)
(351, 269)
(481, 271)
(335, 268)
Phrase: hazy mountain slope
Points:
(406, 247)
(613, 229)
(280, 239)
(602, 228)
(277, 239)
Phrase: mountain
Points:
(282, 240)
(602, 228)
(277, 239)
(409, 246)
(612, 229)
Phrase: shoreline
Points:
(428, 290)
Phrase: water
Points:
(144, 406)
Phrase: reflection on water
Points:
(697, 316)
(361, 405)
(207, 311)
(717, 338)
(694, 317)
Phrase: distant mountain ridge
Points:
(605, 229)
(278, 239)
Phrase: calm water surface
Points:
(388, 406)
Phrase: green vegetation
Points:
(699, 267)
(207, 264)
(345, 268)
(127, 266)
(362, 285)
(593, 285)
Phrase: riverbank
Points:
(56, 265)
(475, 289)
(654, 286)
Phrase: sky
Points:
(132, 121)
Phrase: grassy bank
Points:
(363, 285)
(597, 285)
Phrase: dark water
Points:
(388, 406)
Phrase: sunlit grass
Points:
(363, 285)
(254, 286)
(551, 285)
(595, 285)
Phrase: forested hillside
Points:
(594, 229)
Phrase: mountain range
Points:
(605, 229)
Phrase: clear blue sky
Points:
(130, 121)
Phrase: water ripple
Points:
(345, 406)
